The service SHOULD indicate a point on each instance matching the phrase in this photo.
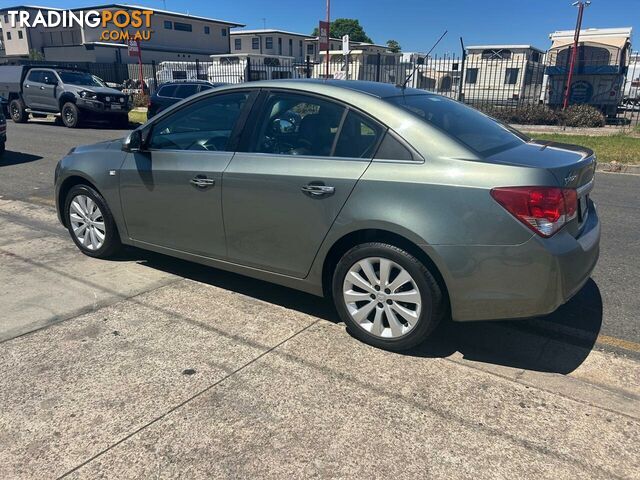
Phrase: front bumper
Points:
(102, 108)
(520, 281)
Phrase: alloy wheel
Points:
(87, 222)
(68, 115)
(382, 297)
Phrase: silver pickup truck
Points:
(71, 95)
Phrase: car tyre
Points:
(99, 238)
(17, 111)
(385, 327)
(2, 148)
(70, 115)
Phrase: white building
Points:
(270, 42)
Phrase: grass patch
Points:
(137, 117)
(615, 148)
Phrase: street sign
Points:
(345, 45)
(324, 35)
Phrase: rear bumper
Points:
(521, 281)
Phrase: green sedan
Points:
(402, 206)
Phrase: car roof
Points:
(183, 82)
(375, 89)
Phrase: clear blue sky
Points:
(416, 24)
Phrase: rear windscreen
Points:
(468, 126)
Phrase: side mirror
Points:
(284, 126)
(133, 142)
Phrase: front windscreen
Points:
(80, 78)
(468, 126)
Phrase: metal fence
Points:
(494, 81)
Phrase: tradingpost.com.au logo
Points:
(115, 24)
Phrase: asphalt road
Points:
(607, 307)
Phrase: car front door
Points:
(49, 90)
(171, 192)
(301, 158)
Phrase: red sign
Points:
(324, 35)
(134, 48)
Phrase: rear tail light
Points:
(545, 210)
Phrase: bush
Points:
(582, 116)
(524, 114)
(140, 100)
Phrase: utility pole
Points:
(328, 36)
(574, 51)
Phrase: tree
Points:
(346, 26)
(35, 55)
(393, 46)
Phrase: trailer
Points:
(242, 67)
(601, 64)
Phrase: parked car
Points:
(401, 205)
(3, 133)
(170, 93)
(71, 95)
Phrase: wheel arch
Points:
(366, 235)
(64, 189)
(64, 98)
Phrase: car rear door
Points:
(171, 193)
(32, 89)
(301, 158)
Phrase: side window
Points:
(293, 124)
(36, 76)
(186, 90)
(205, 87)
(167, 91)
(358, 137)
(205, 125)
(392, 149)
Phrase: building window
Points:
(8, 35)
(291, 47)
(310, 49)
(182, 27)
(224, 32)
(20, 34)
(511, 76)
(207, 30)
(255, 43)
(535, 56)
(168, 25)
(472, 76)
(301, 48)
(268, 43)
(238, 43)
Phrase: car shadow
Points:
(556, 343)
(11, 157)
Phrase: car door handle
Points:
(318, 190)
(27, 86)
(41, 88)
(202, 181)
